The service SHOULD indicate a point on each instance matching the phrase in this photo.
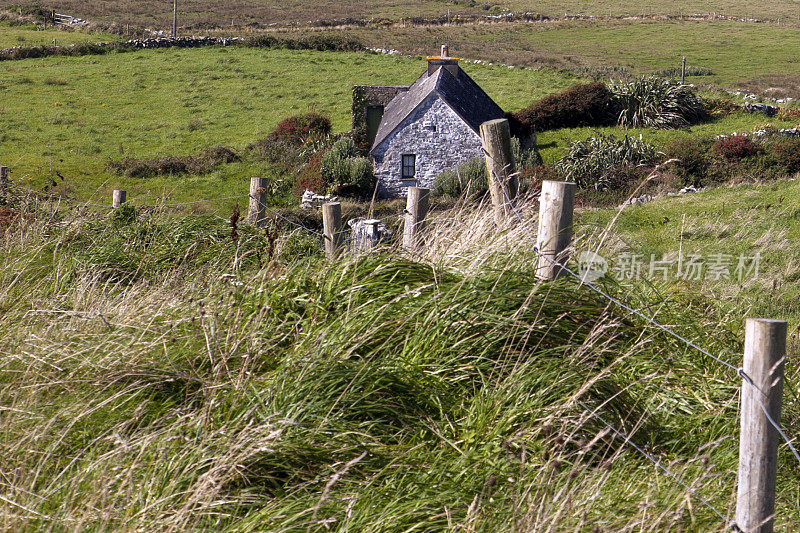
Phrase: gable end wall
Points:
(451, 143)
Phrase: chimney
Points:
(443, 61)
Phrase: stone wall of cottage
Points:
(439, 139)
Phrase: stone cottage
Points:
(416, 132)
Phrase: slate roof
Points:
(461, 93)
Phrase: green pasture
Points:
(31, 35)
(77, 114)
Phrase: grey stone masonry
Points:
(436, 135)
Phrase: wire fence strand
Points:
(739, 370)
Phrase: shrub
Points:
(580, 105)
(736, 147)
(524, 157)
(693, 159)
(594, 162)
(469, 179)
(302, 128)
(787, 154)
(310, 178)
(721, 107)
(351, 174)
(789, 113)
(691, 70)
(655, 102)
(201, 163)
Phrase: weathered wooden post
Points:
(4, 183)
(555, 227)
(118, 198)
(683, 70)
(257, 207)
(174, 19)
(764, 353)
(503, 185)
(416, 211)
(332, 228)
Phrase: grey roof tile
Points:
(460, 92)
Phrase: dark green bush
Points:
(346, 171)
(692, 159)
(787, 153)
(580, 105)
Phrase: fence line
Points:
(739, 370)
(107, 206)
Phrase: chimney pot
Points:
(445, 51)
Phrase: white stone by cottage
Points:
(431, 126)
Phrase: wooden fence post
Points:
(332, 228)
(683, 70)
(257, 208)
(496, 137)
(764, 352)
(555, 227)
(4, 183)
(416, 211)
(175, 19)
(119, 198)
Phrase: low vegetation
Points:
(373, 392)
(654, 102)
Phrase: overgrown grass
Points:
(375, 393)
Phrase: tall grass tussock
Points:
(160, 373)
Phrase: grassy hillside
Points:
(735, 220)
(72, 116)
(77, 114)
(158, 375)
(32, 35)
(737, 54)
(204, 13)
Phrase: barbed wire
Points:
(739, 370)
(593, 412)
(106, 206)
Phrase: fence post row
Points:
(555, 227)
(332, 228)
(257, 207)
(118, 198)
(496, 138)
(764, 354)
(416, 211)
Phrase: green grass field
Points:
(738, 54)
(210, 13)
(31, 35)
(81, 113)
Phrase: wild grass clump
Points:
(596, 162)
(654, 102)
(468, 180)
(204, 162)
